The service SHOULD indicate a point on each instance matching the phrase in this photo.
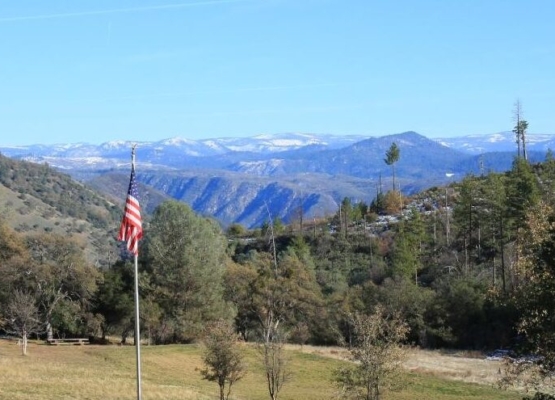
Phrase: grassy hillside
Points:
(35, 198)
(171, 372)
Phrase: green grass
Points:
(171, 372)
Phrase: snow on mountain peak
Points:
(116, 144)
(178, 141)
(497, 137)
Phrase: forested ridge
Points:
(466, 266)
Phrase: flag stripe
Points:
(131, 230)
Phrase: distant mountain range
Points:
(498, 142)
(175, 152)
(245, 180)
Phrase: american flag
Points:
(131, 229)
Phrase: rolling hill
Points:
(36, 198)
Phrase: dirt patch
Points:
(456, 366)
(460, 366)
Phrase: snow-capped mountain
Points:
(262, 144)
(174, 152)
(265, 144)
(498, 142)
(268, 143)
(270, 155)
(235, 179)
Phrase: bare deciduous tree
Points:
(274, 360)
(224, 363)
(22, 317)
(271, 314)
(377, 351)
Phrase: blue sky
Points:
(145, 70)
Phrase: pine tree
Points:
(391, 157)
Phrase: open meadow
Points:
(171, 372)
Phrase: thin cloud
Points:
(118, 10)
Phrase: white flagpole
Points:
(137, 325)
(137, 329)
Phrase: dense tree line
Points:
(459, 266)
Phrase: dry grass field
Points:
(455, 366)
(451, 365)
(171, 372)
